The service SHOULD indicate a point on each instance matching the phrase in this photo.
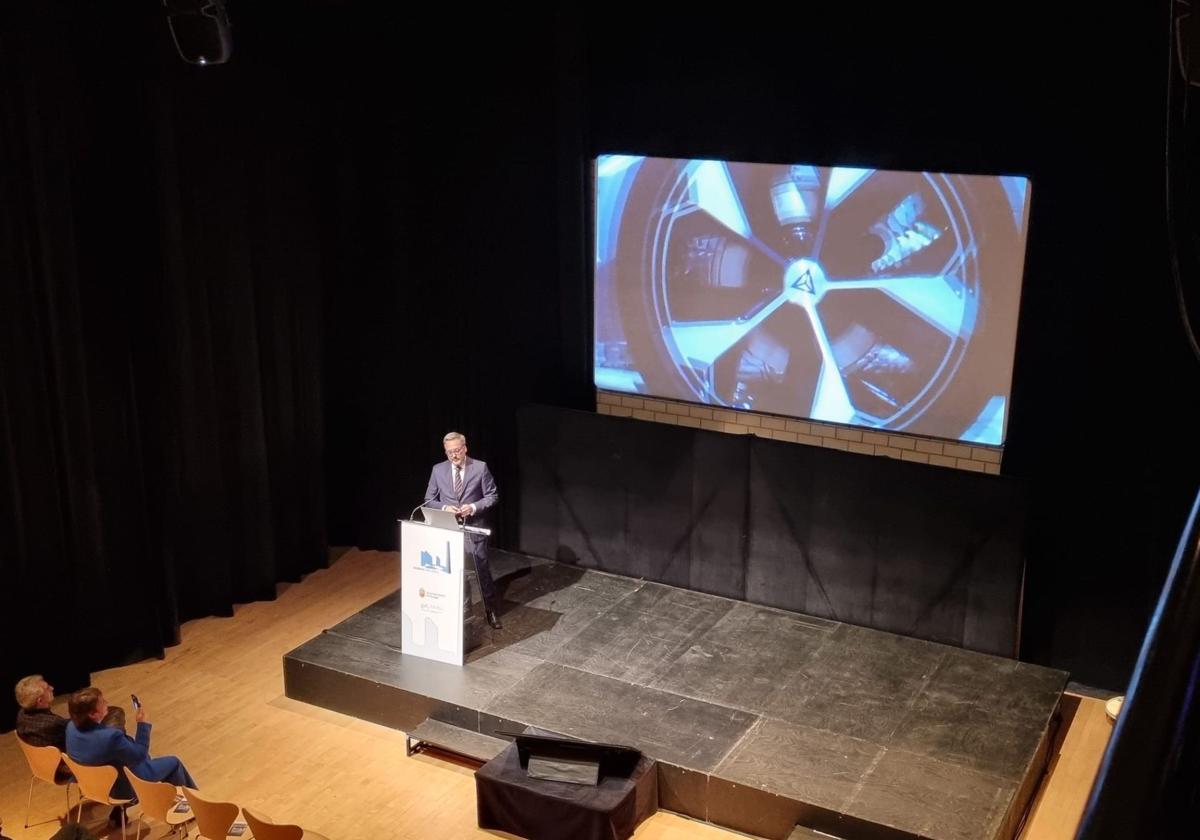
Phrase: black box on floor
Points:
(571, 760)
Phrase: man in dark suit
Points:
(465, 487)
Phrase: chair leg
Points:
(29, 800)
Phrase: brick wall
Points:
(851, 439)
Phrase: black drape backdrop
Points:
(242, 303)
(461, 287)
(160, 400)
(933, 554)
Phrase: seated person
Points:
(89, 741)
(37, 725)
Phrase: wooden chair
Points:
(266, 830)
(95, 784)
(43, 764)
(214, 819)
(158, 801)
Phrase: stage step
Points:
(454, 739)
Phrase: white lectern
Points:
(432, 563)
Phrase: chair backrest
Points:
(212, 818)
(264, 830)
(156, 798)
(43, 761)
(95, 781)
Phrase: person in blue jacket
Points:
(89, 741)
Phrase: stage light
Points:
(200, 30)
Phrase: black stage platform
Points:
(760, 719)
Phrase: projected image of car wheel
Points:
(885, 299)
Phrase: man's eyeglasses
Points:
(457, 451)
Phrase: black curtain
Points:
(380, 219)
(458, 228)
(160, 323)
(931, 553)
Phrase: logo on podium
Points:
(432, 561)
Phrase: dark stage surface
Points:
(760, 719)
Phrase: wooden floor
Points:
(1078, 750)
(217, 702)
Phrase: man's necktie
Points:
(458, 483)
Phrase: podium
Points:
(433, 563)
